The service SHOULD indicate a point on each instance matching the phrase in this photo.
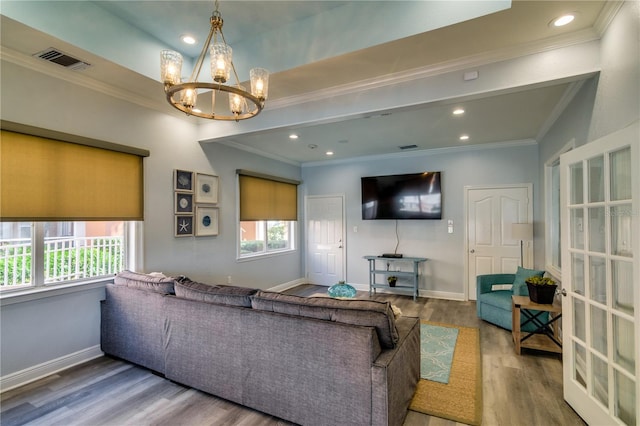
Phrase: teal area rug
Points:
(436, 352)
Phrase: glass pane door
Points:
(601, 233)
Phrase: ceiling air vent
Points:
(403, 147)
(57, 57)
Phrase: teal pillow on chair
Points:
(519, 284)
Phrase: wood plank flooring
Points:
(517, 390)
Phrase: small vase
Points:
(342, 290)
(392, 282)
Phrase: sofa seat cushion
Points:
(356, 312)
(152, 282)
(500, 299)
(223, 294)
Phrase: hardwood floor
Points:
(517, 389)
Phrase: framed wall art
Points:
(206, 188)
(206, 221)
(182, 180)
(183, 226)
(183, 203)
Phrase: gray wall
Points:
(422, 238)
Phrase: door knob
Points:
(473, 251)
(563, 292)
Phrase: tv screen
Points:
(408, 196)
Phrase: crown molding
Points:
(604, 19)
(423, 152)
(461, 64)
(562, 104)
(80, 79)
(252, 150)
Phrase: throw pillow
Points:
(519, 284)
(369, 313)
(223, 294)
(156, 282)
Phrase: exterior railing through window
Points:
(65, 259)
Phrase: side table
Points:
(546, 337)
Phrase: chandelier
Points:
(184, 95)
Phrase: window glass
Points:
(71, 251)
(263, 237)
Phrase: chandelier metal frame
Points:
(179, 96)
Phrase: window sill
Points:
(264, 255)
(10, 297)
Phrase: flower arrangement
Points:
(392, 279)
(541, 289)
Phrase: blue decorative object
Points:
(342, 290)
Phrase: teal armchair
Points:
(494, 305)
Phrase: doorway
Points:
(490, 212)
(325, 239)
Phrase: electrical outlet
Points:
(229, 279)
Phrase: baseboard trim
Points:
(287, 285)
(421, 293)
(28, 375)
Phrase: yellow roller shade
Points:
(266, 199)
(48, 180)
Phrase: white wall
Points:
(421, 238)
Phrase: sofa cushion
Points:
(519, 284)
(356, 312)
(224, 294)
(152, 282)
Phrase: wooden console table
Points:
(413, 275)
(546, 336)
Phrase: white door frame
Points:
(468, 188)
(344, 228)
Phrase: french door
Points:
(600, 199)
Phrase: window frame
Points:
(293, 231)
(551, 223)
(132, 255)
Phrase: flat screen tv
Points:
(407, 196)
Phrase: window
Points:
(36, 254)
(266, 236)
(268, 210)
(553, 245)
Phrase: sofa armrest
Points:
(485, 282)
(395, 374)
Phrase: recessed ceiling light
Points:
(464, 137)
(293, 136)
(189, 39)
(458, 111)
(563, 20)
(197, 110)
(329, 152)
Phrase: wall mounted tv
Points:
(407, 196)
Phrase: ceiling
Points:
(316, 48)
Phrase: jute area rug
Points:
(459, 400)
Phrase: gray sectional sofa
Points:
(311, 361)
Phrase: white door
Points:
(600, 223)
(325, 240)
(490, 213)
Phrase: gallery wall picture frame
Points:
(206, 188)
(183, 203)
(183, 225)
(207, 221)
(182, 180)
